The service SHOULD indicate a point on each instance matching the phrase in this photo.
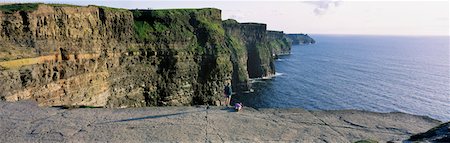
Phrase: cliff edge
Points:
(25, 122)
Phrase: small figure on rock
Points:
(228, 91)
(238, 106)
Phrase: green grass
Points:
(240, 51)
(212, 26)
(136, 13)
(142, 30)
(230, 21)
(62, 5)
(177, 22)
(111, 8)
(19, 7)
(159, 27)
(10, 8)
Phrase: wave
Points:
(260, 79)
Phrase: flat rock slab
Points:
(26, 122)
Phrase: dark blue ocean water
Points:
(375, 73)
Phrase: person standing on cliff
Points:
(228, 91)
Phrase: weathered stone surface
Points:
(23, 121)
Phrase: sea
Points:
(409, 74)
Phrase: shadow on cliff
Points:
(150, 117)
(229, 109)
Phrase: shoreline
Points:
(23, 121)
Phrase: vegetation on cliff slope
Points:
(279, 42)
(238, 52)
(189, 35)
(10, 8)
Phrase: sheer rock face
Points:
(239, 55)
(69, 55)
(99, 56)
(253, 37)
(279, 42)
(62, 55)
(260, 59)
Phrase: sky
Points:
(313, 17)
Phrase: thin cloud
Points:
(323, 6)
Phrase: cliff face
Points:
(99, 56)
(279, 42)
(181, 57)
(239, 57)
(251, 53)
(260, 60)
(62, 55)
(301, 39)
(68, 55)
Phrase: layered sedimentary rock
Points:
(301, 39)
(279, 42)
(99, 56)
(62, 55)
(69, 55)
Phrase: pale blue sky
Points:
(314, 17)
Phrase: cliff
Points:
(239, 56)
(301, 39)
(62, 54)
(98, 56)
(279, 42)
(253, 37)
(252, 53)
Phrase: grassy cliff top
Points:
(253, 23)
(230, 21)
(275, 32)
(10, 8)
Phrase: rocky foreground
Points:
(24, 121)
